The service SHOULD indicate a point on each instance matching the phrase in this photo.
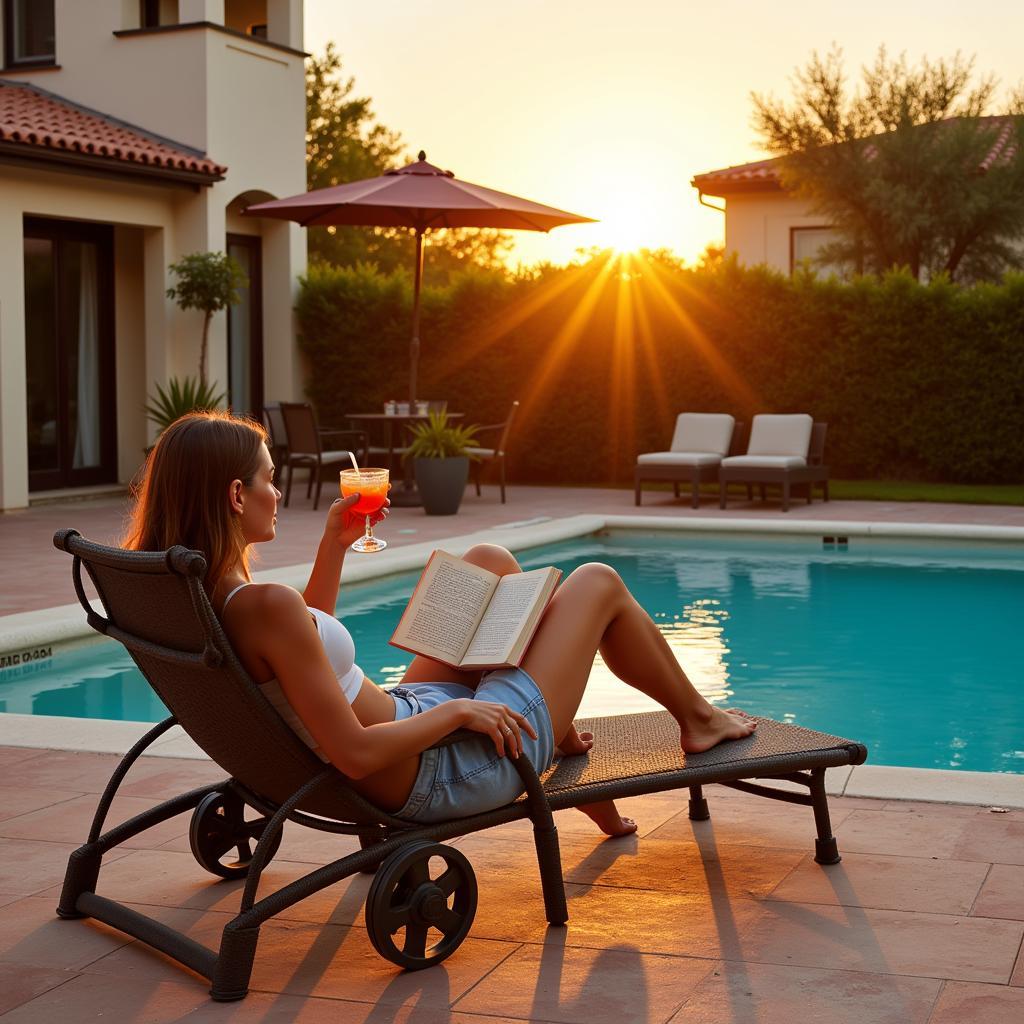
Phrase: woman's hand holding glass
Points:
(364, 499)
(347, 526)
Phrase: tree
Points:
(908, 167)
(208, 281)
(345, 142)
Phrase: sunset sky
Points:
(608, 109)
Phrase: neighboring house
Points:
(763, 222)
(766, 224)
(133, 132)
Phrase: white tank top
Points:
(341, 653)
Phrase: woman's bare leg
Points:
(425, 670)
(422, 670)
(594, 611)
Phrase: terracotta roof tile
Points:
(763, 175)
(35, 118)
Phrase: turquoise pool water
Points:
(916, 651)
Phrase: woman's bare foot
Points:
(713, 727)
(574, 743)
(607, 818)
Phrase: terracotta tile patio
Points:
(728, 920)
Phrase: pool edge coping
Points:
(65, 625)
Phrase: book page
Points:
(445, 608)
(514, 599)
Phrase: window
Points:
(154, 13)
(29, 32)
(248, 16)
(804, 246)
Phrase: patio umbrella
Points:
(419, 196)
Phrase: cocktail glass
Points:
(372, 487)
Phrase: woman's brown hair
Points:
(183, 498)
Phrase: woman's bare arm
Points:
(341, 530)
(292, 648)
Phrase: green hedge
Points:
(915, 381)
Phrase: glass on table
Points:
(372, 487)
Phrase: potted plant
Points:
(209, 282)
(441, 455)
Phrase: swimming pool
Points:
(916, 650)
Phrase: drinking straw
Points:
(355, 465)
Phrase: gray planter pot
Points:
(441, 484)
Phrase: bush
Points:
(915, 381)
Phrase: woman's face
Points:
(257, 503)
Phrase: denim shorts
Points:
(469, 778)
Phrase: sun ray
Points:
(622, 385)
(733, 381)
(562, 344)
(653, 377)
(455, 358)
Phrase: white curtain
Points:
(87, 435)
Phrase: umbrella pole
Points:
(407, 496)
(414, 345)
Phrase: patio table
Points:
(407, 496)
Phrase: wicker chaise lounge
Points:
(156, 606)
(699, 443)
(783, 450)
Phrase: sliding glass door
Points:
(69, 354)
(245, 330)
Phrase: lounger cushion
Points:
(780, 435)
(709, 432)
(764, 462)
(678, 459)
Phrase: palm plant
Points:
(181, 397)
(440, 439)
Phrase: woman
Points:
(209, 485)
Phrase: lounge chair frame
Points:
(815, 472)
(190, 664)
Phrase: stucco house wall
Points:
(759, 228)
(236, 98)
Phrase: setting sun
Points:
(630, 223)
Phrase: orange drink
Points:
(371, 496)
(372, 487)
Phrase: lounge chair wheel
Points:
(219, 828)
(421, 904)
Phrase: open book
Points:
(468, 617)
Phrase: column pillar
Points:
(158, 313)
(284, 23)
(13, 408)
(201, 10)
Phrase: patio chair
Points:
(274, 422)
(495, 455)
(156, 607)
(700, 442)
(785, 450)
(304, 442)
